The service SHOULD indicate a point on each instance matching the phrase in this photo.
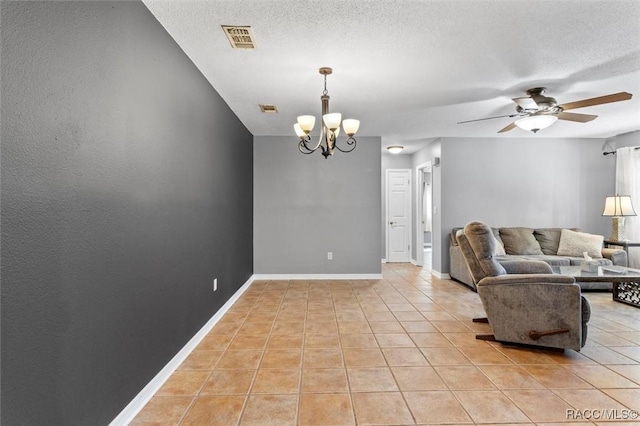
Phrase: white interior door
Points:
(398, 215)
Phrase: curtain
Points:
(628, 183)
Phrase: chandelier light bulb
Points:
(350, 126)
(306, 123)
(332, 121)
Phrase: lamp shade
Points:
(301, 133)
(536, 122)
(332, 121)
(306, 123)
(350, 126)
(619, 205)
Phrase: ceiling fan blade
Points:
(572, 116)
(509, 127)
(525, 103)
(615, 97)
(489, 118)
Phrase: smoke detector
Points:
(240, 37)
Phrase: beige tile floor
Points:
(396, 351)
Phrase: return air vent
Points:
(240, 37)
(268, 108)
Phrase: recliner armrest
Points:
(526, 267)
(518, 279)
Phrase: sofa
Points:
(523, 243)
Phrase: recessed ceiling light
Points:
(240, 37)
(396, 149)
(268, 108)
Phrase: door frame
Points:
(419, 236)
(386, 211)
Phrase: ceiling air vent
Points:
(268, 108)
(240, 37)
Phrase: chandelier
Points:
(330, 128)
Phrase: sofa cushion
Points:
(576, 243)
(549, 239)
(520, 240)
(454, 236)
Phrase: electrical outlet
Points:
(330, 255)
(215, 284)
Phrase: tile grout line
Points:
(264, 349)
(407, 287)
(197, 395)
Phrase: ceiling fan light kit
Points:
(330, 129)
(539, 111)
(536, 122)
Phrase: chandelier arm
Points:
(320, 140)
(303, 145)
(303, 148)
(350, 141)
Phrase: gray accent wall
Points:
(126, 188)
(306, 206)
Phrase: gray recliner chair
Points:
(524, 301)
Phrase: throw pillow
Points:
(549, 239)
(499, 251)
(520, 241)
(574, 243)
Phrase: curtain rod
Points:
(613, 152)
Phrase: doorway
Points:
(424, 219)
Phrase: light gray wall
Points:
(389, 161)
(126, 188)
(306, 206)
(524, 182)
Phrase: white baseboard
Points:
(384, 261)
(442, 276)
(317, 277)
(133, 408)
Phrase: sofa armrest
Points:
(616, 256)
(526, 267)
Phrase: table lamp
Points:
(618, 207)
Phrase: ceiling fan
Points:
(538, 111)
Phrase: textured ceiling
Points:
(410, 70)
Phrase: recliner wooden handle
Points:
(535, 335)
